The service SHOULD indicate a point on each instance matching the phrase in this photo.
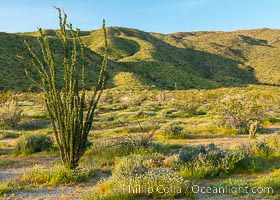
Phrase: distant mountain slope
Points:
(180, 60)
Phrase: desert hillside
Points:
(180, 60)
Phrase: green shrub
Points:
(11, 113)
(208, 161)
(56, 175)
(132, 164)
(261, 149)
(132, 101)
(103, 154)
(4, 163)
(189, 103)
(155, 183)
(5, 188)
(250, 163)
(238, 111)
(32, 143)
(140, 164)
(273, 141)
(269, 186)
(167, 149)
(271, 180)
(173, 130)
(258, 149)
(255, 155)
(8, 134)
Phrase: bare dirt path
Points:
(220, 141)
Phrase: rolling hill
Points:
(167, 61)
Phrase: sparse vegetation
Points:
(32, 143)
(150, 129)
(11, 113)
(56, 175)
(173, 131)
(125, 187)
(179, 143)
(209, 161)
(191, 60)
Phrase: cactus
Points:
(66, 104)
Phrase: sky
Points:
(163, 16)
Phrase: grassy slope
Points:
(187, 60)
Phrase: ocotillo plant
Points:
(66, 103)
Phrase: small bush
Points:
(208, 161)
(8, 134)
(238, 111)
(11, 114)
(4, 163)
(155, 183)
(140, 164)
(32, 143)
(5, 188)
(273, 141)
(103, 154)
(132, 164)
(272, 180)
(189, 103)
(250, 163)
(268, 185)
(132, 101)
(255, 155)
(3, 148)
(173, 131)
(145, 134)
(258, 149)
(55, 175)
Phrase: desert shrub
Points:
(107, 98)
(55, 175)
(4, 163)
(11, 113)
(103, 154)
(8, 134)
(269, 184)
(272, 180)
(130, 165)
(140, 164)
(258, 148)
(132, 101)
(6, 95)
(173, 130)
(3, 152)
(255, 155)
(209, 161)
(166, 149)
(273, 141)
(154, 184)
(261, 149)
(5, 188)
(250, 163)
(3, 148)
(32, 143)
(189, 102)
(238, 111)
(145, 134)
(188, 153)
